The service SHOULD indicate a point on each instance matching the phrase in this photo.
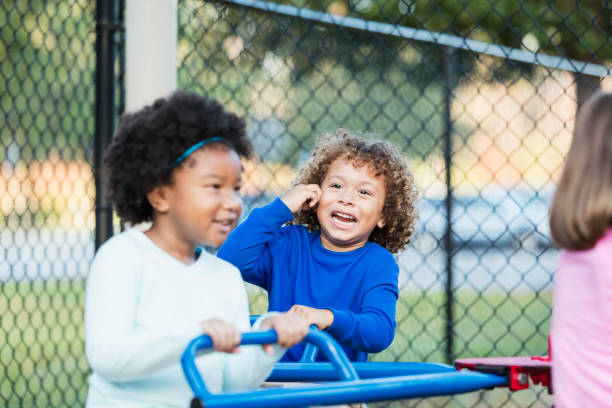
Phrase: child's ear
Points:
(381, 222)
(157, 199)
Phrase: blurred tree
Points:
(572, 29)
(313, 76)
(46, 78)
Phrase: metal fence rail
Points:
(479, 95)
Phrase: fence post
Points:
(150, 51)
(449, 82)
(105, 115)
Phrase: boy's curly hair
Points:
(399, 212)
(148, 142)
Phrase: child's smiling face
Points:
(351, 205)
(204, 201)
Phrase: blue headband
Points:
(196, 147)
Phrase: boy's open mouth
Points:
(343, 217)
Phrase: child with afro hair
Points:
(324, 250)
(175, 163)
(148, 142)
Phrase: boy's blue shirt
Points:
(360, 287)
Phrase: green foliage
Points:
(310, 82)
(295, 79)
(565, 28)
(46, 78)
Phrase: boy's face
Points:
(204, 203)
(351, 205)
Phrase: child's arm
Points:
(371, 329)
(250, 367)
(247, 246)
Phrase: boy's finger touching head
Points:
(301, 197)
(315, 195)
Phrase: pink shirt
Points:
(582, 327)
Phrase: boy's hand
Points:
(225, 337)
(302, 197)
(322, 318)
(290, 329)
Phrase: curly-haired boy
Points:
(350, 208)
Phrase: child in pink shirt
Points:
(581, 224)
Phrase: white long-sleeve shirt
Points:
(143, 307)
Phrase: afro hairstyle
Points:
(149, 141)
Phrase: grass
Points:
(42, 355)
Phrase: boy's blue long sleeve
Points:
(359, 287)
(247, 246)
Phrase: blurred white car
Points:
(500, 219)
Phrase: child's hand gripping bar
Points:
(310, 350)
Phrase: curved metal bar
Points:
(350, 390)
(310, 350)
(331, 350)
(376, 389)
(310, 354)
(253, 319)
(324, 371)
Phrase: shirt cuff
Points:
(342, 324)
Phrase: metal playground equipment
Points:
(344, 382)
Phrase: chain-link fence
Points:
(479, 95)
(47, 65)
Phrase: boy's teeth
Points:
(345, 217)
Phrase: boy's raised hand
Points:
(225, 337)
(302, 197)
(290, 330)
(322, 318)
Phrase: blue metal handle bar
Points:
(328, 346)
(324, 371)
(310, 350)
(310, 353)
(253, 318)
(350, 390)
(375, 389)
